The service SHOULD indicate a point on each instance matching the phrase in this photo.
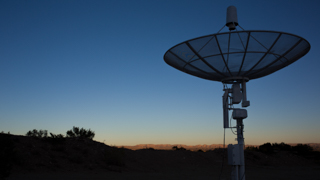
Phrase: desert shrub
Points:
(114, 156)
(37, 134)
(266, 148)
(302, 149)
(7, 155)
(251, 148)
(182, 148)
(55, 138)
(307, 152)
(200, 150)
(75, 132)
(178, 148)
(148, 148)
(282, 146)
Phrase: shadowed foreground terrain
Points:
(71, 158)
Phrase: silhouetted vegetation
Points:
(37, 134)
(56, 136)
(266, 148)
(252, 148)
(269, 148)
(282, 146)
(176, 148)
(56, 152)
(75, 132)
(303, 150)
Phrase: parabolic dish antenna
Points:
(237, 54)
(235, 57)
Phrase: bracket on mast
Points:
(238, 93)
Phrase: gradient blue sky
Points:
(99, 65)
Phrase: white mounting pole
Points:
(241, 167)
(236, 152)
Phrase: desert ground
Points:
(35, 158)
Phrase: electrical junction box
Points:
(225, 109)
(236, 94)
(245, 103)
(233, 154)
(239, 113)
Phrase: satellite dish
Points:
(235, 57)
(237, 54)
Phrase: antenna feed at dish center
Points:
(232, 18)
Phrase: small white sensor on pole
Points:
(232, 18)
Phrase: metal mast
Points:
(234, 58)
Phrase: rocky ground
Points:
(35, 158)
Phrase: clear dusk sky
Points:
(99, 65)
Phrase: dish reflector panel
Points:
(236, 54)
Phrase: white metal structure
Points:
(235, 57)
(235, 95)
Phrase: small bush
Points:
(251, 148)
(56, 139)
(37, 134)
(282, 146)
(178, 149)
(75, 132)
(147, 148)
(266, 148)
(302, 149)
(56, 136)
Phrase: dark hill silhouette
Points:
(204, 147)
(31, 157)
